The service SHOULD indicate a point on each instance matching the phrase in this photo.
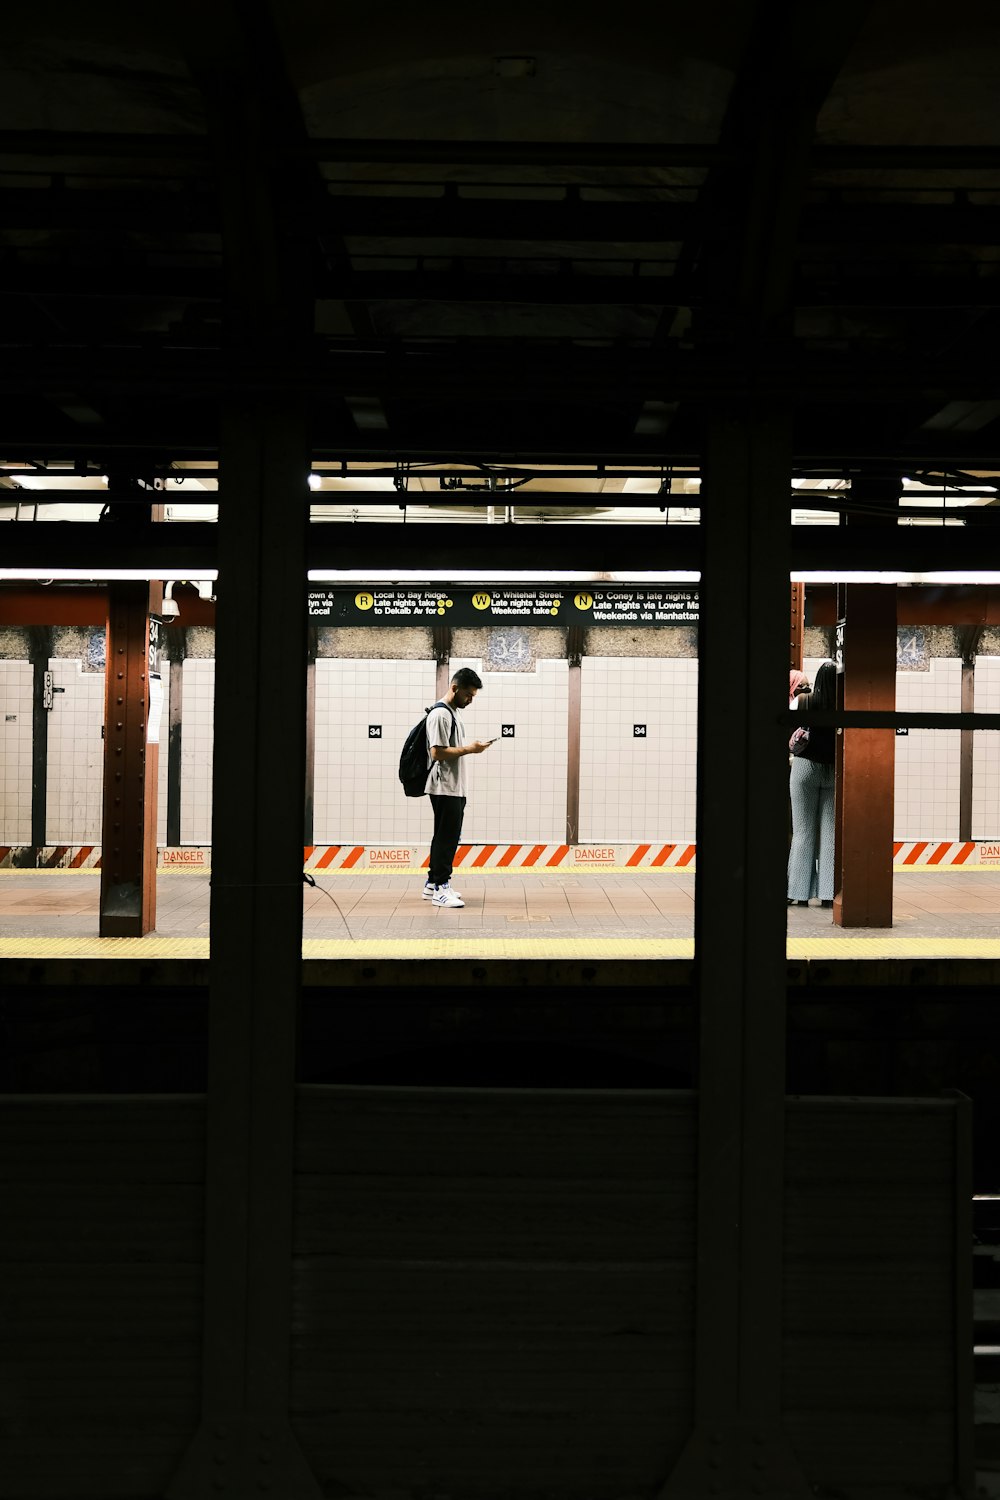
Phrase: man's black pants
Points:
(448, 814)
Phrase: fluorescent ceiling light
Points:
(109, 575)
(491, 575)
(856, 575)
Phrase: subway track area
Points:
(540, 980)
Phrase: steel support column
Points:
(738, 1443)
(255, 969)
(131, 761)
(177, 639)
(796, 626)
(245, 1444)
(738, 1446)
(866, 758)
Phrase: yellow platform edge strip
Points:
(465, 947)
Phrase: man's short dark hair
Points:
(465, 677)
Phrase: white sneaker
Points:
(445, 896)
(430, 889)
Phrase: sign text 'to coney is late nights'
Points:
(492, 605)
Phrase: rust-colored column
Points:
(131, 761)
(796, 626)
(866, 758)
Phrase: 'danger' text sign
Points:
(506, 606)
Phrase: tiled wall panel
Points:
(927, 760)
(15, 751)
(161, 784)
(358, 798)
(631, 788)
(197, 741)
(986, 753)
(638, 787)
(76, 755)
(517, 788)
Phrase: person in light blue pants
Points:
(810, 858)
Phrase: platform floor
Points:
(939, 913)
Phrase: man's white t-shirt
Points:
(445, 778)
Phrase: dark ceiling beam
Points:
(750, 212)
(833, 445)
(474, 370)
(451, 216)
(561, 287)
(102, 145)
(447, 215)
(647, 154)
(111, 283)
(49, 545)
(196, 149)
(170, 212)
(840, 502)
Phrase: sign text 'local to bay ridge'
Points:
(506, 606)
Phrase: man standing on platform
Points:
(447, 781)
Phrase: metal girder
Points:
(518, 371)
(739, 1445)
(652, 223)
(641, 216)
(197, 150)
(115, 284)
(112, 284)
(463, 544)
(132, 705)
(737, 1441)
(245, 1442)
(891, 718)
(183, 436)
(866, 757)
(166, 211)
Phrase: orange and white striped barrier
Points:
(512, 857)
(51, 857)
(932, 853)
(910, 854)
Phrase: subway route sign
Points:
(503, 605)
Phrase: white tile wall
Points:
(76, 755)
(197, 741)
(16, 679)
(986, 753)
(517, 788)
(927, 760)
(358, 798)
(642, 789)
(630, 789)
(161, 782)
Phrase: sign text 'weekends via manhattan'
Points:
(503, 606)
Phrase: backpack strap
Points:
(454, 721)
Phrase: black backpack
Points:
(413, 757)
